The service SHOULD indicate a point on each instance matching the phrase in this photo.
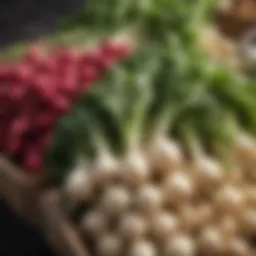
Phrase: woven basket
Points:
(58, 230)
(20, 191)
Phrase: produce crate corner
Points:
(58, 230)
(19, 190)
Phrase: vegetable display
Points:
(159, 157)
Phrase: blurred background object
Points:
(17, 238)
(237, 17)
(29, 19)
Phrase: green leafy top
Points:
(169, 85)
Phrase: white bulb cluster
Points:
(195, 208)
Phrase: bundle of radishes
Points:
(42, 87)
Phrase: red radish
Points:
(62, 105)
(115, 49)
(88, 74)
(14, 144)
(43, 86)
(19, 125)
(33, 160)
(44, 120)
(68, 56)
(35, 55)
(37, 91)
(91, 58)
(106, 63)
(48, 65)
(17, 92)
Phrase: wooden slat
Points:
(57, 228)
(19, 190)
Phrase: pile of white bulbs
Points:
(158, 203)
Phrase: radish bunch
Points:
(42, 87)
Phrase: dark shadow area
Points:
(17, 238)
(29, 19)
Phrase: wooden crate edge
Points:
(19, 190)
(58, 230)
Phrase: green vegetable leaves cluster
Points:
(168, 85)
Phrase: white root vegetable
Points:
(249, 221)
(194, 218)
(245, 152)
(132, 226)
(105, 169)
(164, 225)
(94, 223)
(149, 199)
(143, 248)
(230, 199)
(250, 193)
(212, 241)
(165, 154)
(178, 187)
(229, 226)
(115, 200)
(208, 172)
(180, 245)
(238, 247)
(109, 245)
(136, 169)
(79, 185)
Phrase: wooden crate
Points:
(37, 204)
(20, 191)
(58, 229)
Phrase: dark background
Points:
(16, 238)
(26, 20)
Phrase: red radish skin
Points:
(38, 90)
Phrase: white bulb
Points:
(238, 247)
(229, 226)
(79, 185)
(165, 154)
(230, 199)
(208, 171)
(105, 169)
(211, 240)
(245, 143)
(109, 245)
(180, 245)
(93, 223)
(249, 220)
(251, 195)
(143, 248)
(136, 169)
(116, 200)
(132, 226)
(164, 224)
(178, 186)
(149, 199)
